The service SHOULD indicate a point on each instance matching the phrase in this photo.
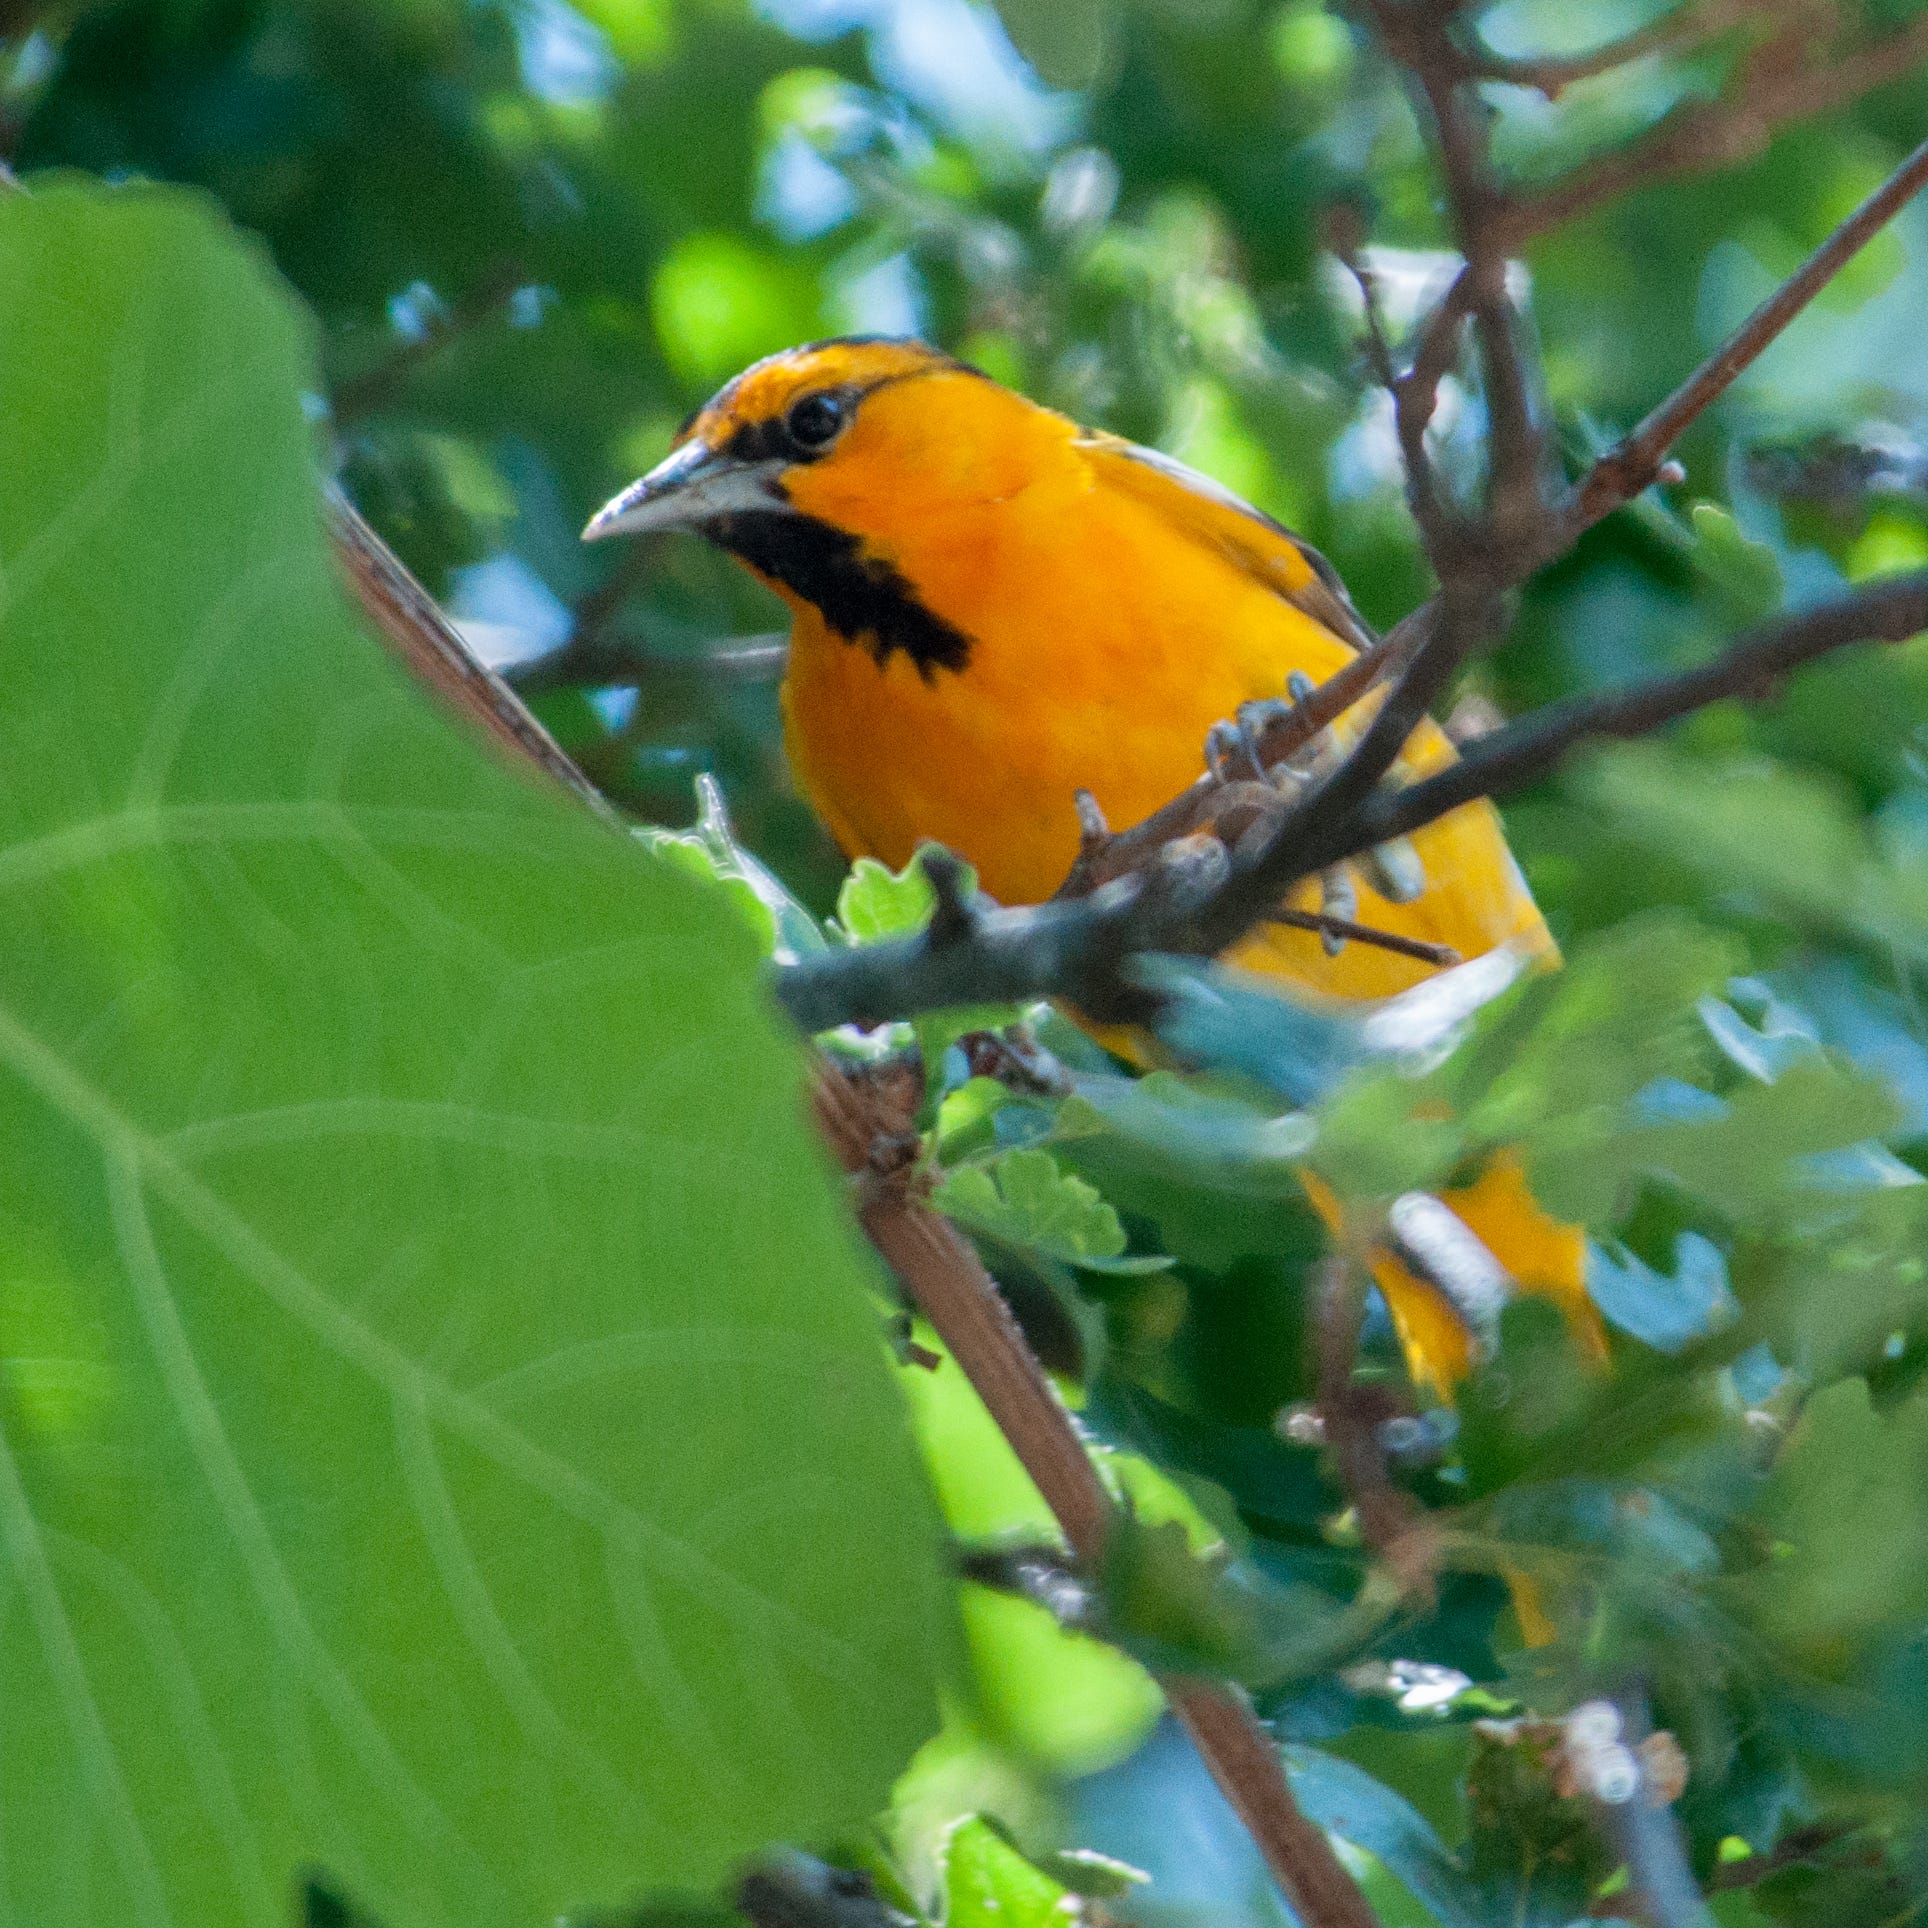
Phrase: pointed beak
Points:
(688, 488)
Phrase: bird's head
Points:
(846, 432)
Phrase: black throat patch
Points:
(862, 598)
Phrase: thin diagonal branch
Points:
(1632, 463)
(947, 1279)
(1705, 135)
(1115, 854)
(375, 387)
(1688, 26)
(1347, 930)
(1078, 948)
(1523, 752)
(1471, 551)
(415, 627)
(1421, 39)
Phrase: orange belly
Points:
(1105, 676)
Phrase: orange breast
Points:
(1104, 646)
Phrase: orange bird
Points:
(995, 608)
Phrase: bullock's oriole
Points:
(995, 608)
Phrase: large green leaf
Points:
(1844, 1508)
(1064, 40)
(445, 1435)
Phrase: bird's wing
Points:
(1210, 513)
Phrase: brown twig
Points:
(1110, 854)
(947, 1280)
(1472, 552)
(375, 387)
(1632, 463)
(950, 1286)
(1390, 1521)
(1687, 26)
(1477, 205)
(1705, 135)
(1891, 611)
(1801, 1848)
(1415, 393)
(1245, 1762)
(415, 627)
(1421, 38)
(1344, 928)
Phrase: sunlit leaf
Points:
(877, 902)
(786, 930)
(470, 1467)
(989, 1884)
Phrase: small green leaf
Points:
(1566, 1047)
(792, 931)
(1546, 1068)
(1099, 1877)
(989, 1884)
(1373, 1143)
(1022, 1198)
(1347, 1801)
(1833, 1300)
(966, 1122)
(1786, 836)
(1221, 1135)
(1745, 1162)
(1745, 574)
(876, 903)
(691, 855)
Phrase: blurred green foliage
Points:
(533, 235)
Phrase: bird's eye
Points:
(815, 421)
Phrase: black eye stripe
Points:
(758, 442)
(775, 438)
